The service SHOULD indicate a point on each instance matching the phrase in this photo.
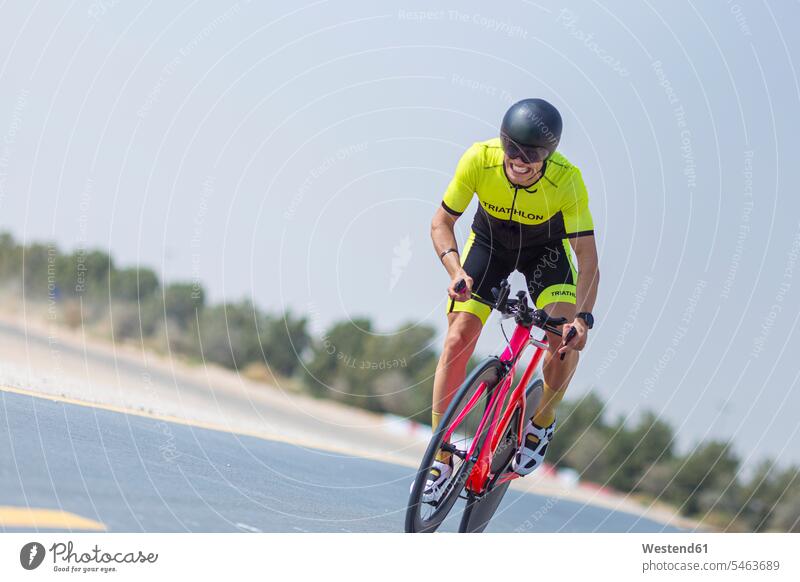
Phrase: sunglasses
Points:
(528, 154)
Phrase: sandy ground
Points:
(40, 357)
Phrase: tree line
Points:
(351, 362)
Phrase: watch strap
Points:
(587, 317)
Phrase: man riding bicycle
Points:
(533, 207)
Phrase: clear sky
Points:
(295, 153)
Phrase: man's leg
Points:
(465, 320)
(551, 278)
(463, 331)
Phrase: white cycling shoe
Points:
(534, 446)
(438, 477)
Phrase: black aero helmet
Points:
(531, 129)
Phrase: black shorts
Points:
(549, 273)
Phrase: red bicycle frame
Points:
(499, 417)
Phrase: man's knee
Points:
(462, 335)
(556, 310)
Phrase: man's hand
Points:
(466, 292)
(578, 342)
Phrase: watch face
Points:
(588, 318)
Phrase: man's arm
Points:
(444, 238)
(586, 252)
(586, 290)
(454, 202)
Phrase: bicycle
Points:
(483, 426)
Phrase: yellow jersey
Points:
(554, 208)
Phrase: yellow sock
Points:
(436, 418)
(546, 413)
(441, 456)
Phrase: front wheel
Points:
(472, 399)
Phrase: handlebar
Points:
(520, 310)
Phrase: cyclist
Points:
(533, 206)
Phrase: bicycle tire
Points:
(490, 370)
(479, 512)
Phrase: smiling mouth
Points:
(519, 169)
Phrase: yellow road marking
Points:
(304, 443)
(36, 518)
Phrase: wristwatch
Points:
(587, 317)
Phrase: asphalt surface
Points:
(134, 473)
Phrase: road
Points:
(134, 472)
